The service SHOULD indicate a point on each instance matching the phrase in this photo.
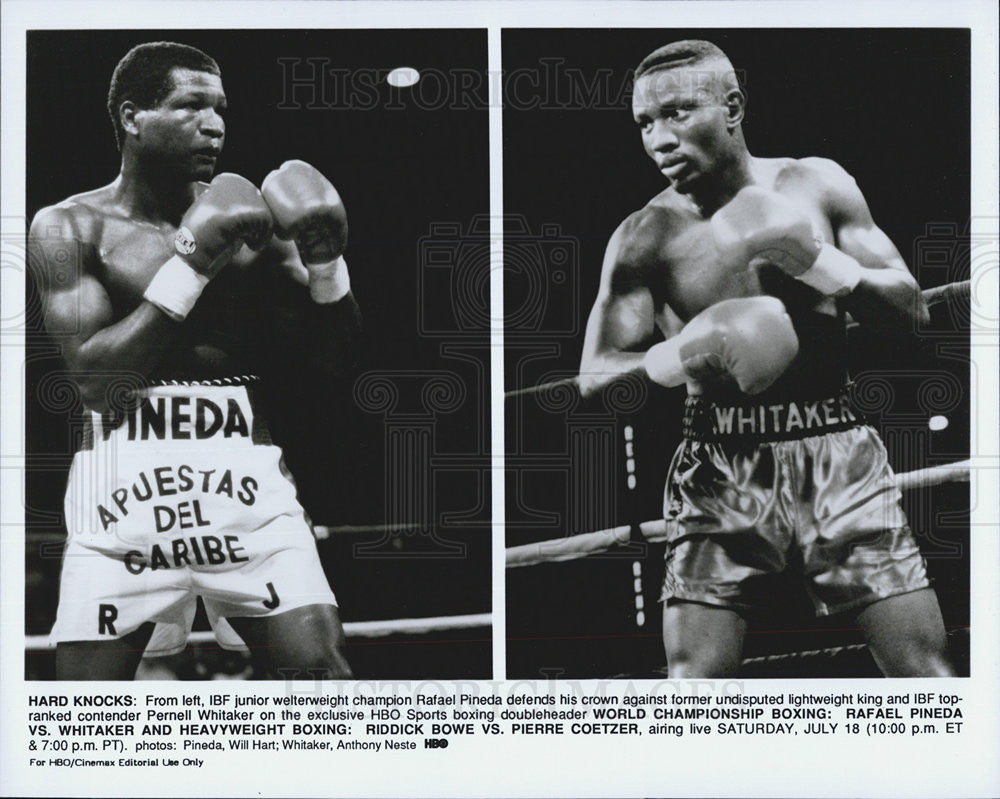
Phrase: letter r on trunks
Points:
(106, 615)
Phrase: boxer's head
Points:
(166, 101)
(688, 104)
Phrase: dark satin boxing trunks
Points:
(754, 488)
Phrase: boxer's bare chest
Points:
(128, 254)
(690, 275)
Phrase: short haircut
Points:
(143, 76)
(685, 53)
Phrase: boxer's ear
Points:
(736, 103)
(127, 112)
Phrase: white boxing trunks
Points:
(183, 496)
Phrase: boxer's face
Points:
(683, 118)
(186, 130)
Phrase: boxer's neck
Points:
(152, 194)
(722, 184)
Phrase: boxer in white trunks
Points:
(165, 290)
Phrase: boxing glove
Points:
(228, 213)
(307, 208)
(759, 226)
(750, 340)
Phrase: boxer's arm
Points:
(325, 338)
(322, 324)
(622, 322)
(78, 315)
(887, 297)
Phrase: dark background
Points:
(892, 107)
(412, 167)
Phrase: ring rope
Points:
(949, 292)
(580, 546)
(323, 531)
(958, 472)
(352, 629)
(805, 654)
(955, 636)
(828, 652)
(326, 531)
(542, 387)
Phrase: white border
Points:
(968, 766)
(497, 443)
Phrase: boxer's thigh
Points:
(116, 659)
(906, 635)
(702, 641)
(107, 610)
(279, 604)
(302, 643)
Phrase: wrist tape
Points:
(329, 282)
(833, 273)
(175, 288)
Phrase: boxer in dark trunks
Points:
(746, 266)
(172, 298)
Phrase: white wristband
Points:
(175, 288)
(833, 273)
(329, 282)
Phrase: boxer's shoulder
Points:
(90, 216)
(665, 207)
(635, 247)
(644, 232)
(80, 217)
(822, 175)
(65, 238)
(820, 183)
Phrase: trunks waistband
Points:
(232, 380)
(773, 421)
(183, 412)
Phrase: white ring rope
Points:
(324, 531)
(579, 546)
(352, 629)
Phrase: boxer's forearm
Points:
(887, 300)
(128, 351)
(323, 338)
(336, 336)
